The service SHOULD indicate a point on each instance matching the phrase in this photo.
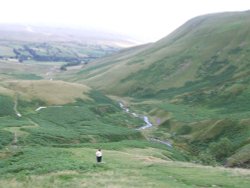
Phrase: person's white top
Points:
(98, 153)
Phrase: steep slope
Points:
(209, 49)
(193, 83)
(50, 129)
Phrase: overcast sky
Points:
(147, 20)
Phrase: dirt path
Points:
(15, 106)
(20, 133)
(14, 142)
(17, 130)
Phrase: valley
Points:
(174, 113)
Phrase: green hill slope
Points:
(194, 78)
(192, 85)
(131, 167)
(206, 52)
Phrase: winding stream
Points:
(147, 125)
(145, 118)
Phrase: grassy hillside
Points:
(196, 82)
(193, 85)
(206, 52)
(131, 167)
(50, 92)
(59, 141)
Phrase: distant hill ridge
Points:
(43, 33)
(74, 46)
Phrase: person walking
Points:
(98, 155)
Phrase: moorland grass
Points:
(130, 167)
(71, 124)
(7, 105)
(6, 138)
(51, 92)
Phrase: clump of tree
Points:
(205, 157)
(222, 149)
(52, 54)
(63, 68)
(217, 152)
